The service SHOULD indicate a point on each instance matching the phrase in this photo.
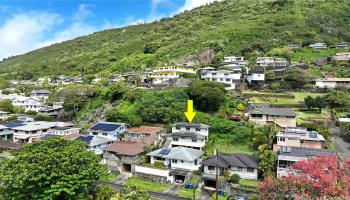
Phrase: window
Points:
(105, 134)
(251, 170)
(256, 115)
(196, 162)
(182, 161)
(210, 168)
(282, 139)
(240, 169)
(194, 140)
(198, 129)
(188, 128)
(175, 139)
(178, 128)
(174, 161)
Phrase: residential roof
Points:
(304, 152)
(145, 129)
(14, 125)
(43, 91)
(274, 111)
(333, 79)
(72, 136)
(178, 153)
(233, 160)
(6, 144)
(94, 140)
(343, 119)
(302, 133)
(186, 124)
(187, 134)
(126, 147)
(106, 126)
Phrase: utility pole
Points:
(217, 174)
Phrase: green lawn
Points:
(225, 146)
(220, 197)
(304, 115)
(308, 54)
(110, 177)
(188, 193)
(146, 185)
(299, 98)
(249, 182)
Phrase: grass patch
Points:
(249, 182)
(308, 54)
(298, 99)
(305, 115)
(220, 197)
(188, 193)
(146, 185)
(226, 146)
(110, 177)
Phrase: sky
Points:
(26, 25)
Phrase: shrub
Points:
(240, 107)
(159, 164)
(234, 178)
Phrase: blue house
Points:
(108, 129)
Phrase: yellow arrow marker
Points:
(190, 114)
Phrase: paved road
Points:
(341, 143)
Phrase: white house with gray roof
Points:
(202, 129)
(186, 139)
(178, 158)
(42, 95)
(281, 117)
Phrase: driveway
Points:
(121, 178)
(341, 143)
(174, 189)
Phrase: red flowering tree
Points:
(321, 178)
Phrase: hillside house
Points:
(256, 76)
(186, 139)
(299, 137)
(281, 117)
(145, 134)
(341, 45)
(341, 57)
(123, 155)
(165, 73)
(6, 133)
(96, 143)
(230, 78)
(318, 46)
(235, 63)
(108, 129)
(42, 95)
(27, 103)
(246, 166)
(271, 62)
(293, 46)
(202, 129)
(4, 115)
(332, 82)
(287, 156)
(25, 118)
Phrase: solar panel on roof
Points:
(86, 139)
(105, 126)
(164, 151)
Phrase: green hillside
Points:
(242, 27)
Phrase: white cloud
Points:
(190, 4)
(22, 32)
(78, 27)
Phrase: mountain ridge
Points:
(249, 28)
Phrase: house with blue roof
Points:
(108, 129)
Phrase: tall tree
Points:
(309, 102)
(320, 102)
(53, 169)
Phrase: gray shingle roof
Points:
(186, 124)
(179, 153)
(274, 111)
(232, 160)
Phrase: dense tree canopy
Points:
(53, 169)
(207, 96)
